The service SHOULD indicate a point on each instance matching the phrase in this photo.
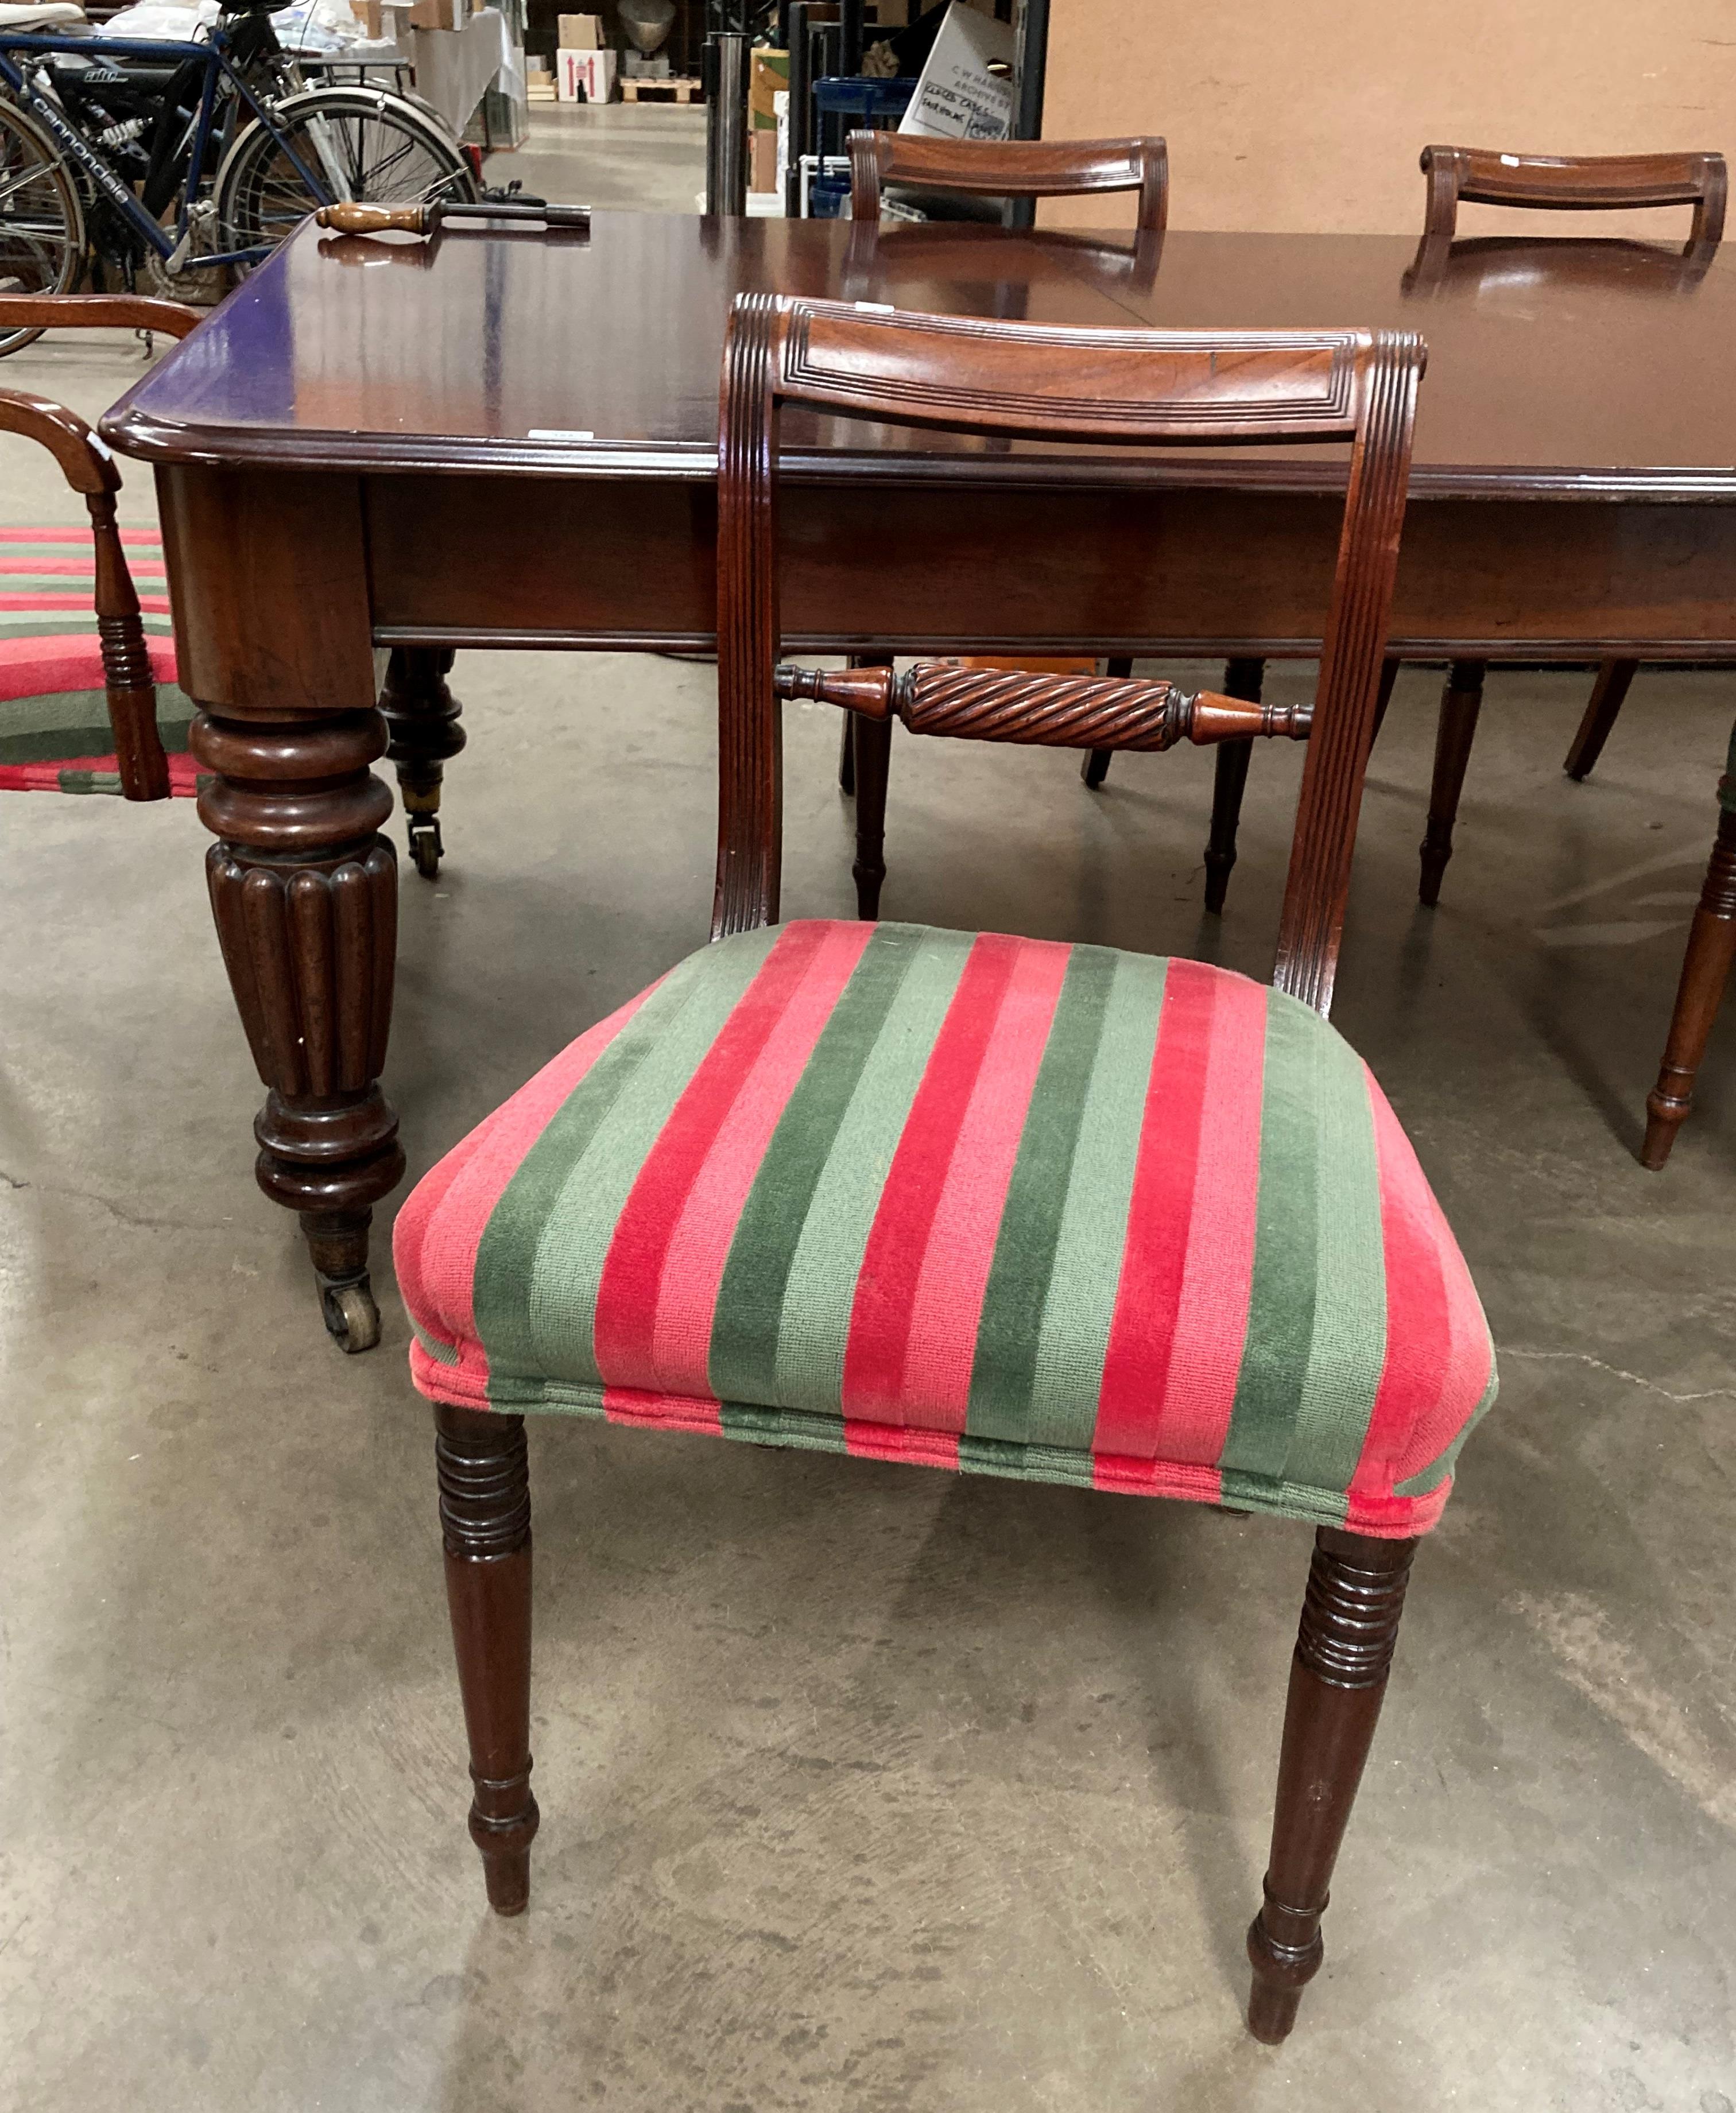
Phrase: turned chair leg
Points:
(1094, 766)
(1242, 678)
(1609, 693)
(873, 757)
(847, 756)
(1705, 969)
(1337, 1678)
(1461, 702)
(485, 1517)
(1383, 698)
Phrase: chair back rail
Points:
(96, 311)
(1159, 388)
(1010, 168)
(1574, 183)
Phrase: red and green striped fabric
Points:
(985, 1203)
(54, 731)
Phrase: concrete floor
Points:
(862, 1787)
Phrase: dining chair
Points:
(88, 702)
(1706, 970)
(1565, 183)
(979, 168)
(1554, 183)
(1054, 1212)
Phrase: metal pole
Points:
(1030, 61)
(850, 49)
(801, 105)
(708, 89)
(729, 104)
(828, 130)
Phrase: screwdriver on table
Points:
(350, 218)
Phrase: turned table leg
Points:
(305, 891)
(485, 1517)
(424, 735)
(1705, 969)
(1337, 1679)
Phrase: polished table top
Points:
(1557, 368)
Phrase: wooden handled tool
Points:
(349, 218)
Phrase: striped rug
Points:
(984, 1203)
(54, 732)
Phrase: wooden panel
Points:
(1309, 115)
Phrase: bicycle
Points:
(120, 132)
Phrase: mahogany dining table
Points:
(497, 437)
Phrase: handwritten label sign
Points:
(956, 97)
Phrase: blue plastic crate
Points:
(877, 105)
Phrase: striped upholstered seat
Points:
(953, 1199)
(55, 735)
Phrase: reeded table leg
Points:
(304, 891)
(1461, 701)
(1337, 1679)
(485, 1517)
(1705, 969)
(422, 717)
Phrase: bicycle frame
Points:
(218, 66)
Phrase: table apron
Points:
(279, 577)
(630, 563)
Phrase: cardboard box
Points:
(590, 75)
(767, 73)
(581, 33)
(762, 167)
(956, 97)
(439, 14)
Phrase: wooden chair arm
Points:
(96, 311)
(1047, 711)
(85, 463)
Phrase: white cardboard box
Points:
(956, 97)
(590, 72)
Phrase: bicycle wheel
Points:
(42, 224)
(362, 144)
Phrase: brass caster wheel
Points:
(352, 1317)
(425, 849)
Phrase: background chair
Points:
(973, 1201)
(1571, 183)
(86, 705)
(980, 168)
(1706, 970)
(1558, 183)
(53, 657)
